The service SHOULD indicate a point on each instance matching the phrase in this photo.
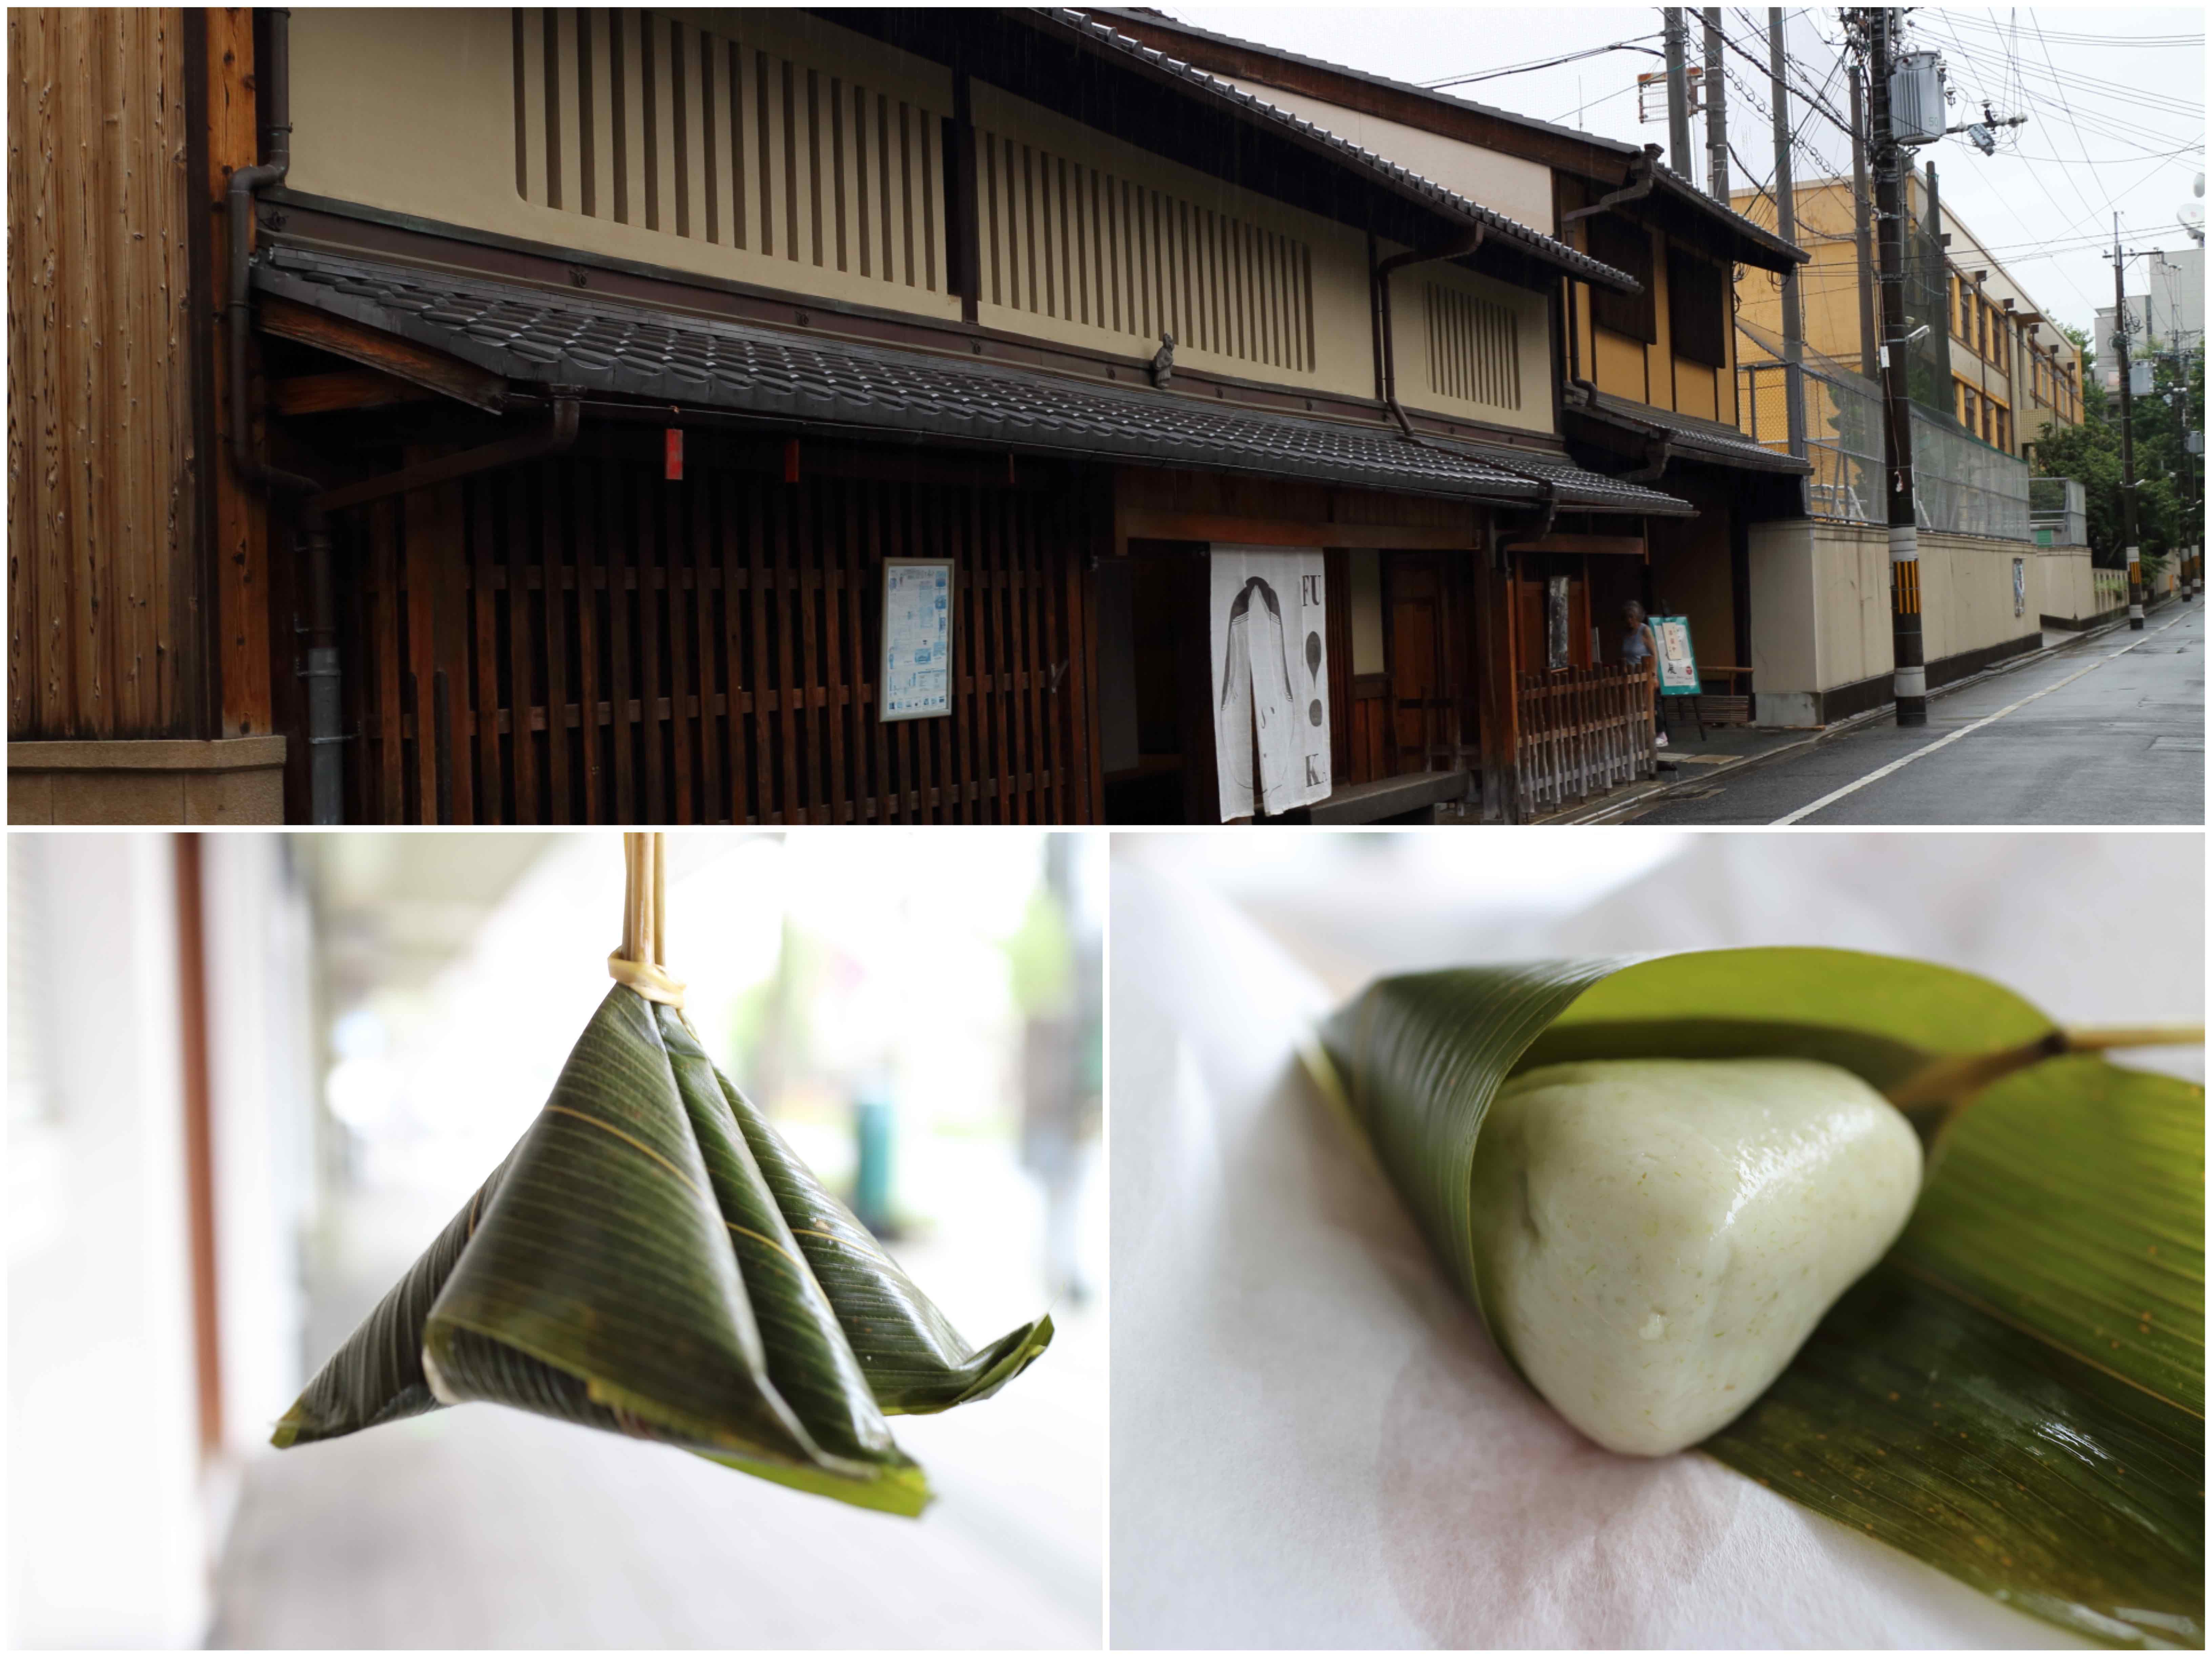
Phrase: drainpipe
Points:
(314, 552)
(277, 85)
(1458, 247)
(1642, 176)
(325, 777)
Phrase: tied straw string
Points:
(641, 962)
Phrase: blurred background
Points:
(250, 1075)
(2095, 928)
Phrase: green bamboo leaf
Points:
(2015, 1394)
(915, 1362)
(629, 1267)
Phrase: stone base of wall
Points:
(229, 781)
(1841, 702)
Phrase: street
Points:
(2111, 731)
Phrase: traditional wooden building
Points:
(1648, 375)
(858, 416)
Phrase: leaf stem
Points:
(2095, 1039)
(1941, 1089)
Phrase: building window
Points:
(1625, 247)
(742, 148)
(1696, 309)
(1085, 245)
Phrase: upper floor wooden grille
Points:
(1475, 349)
(641, 118)
(1072, 241)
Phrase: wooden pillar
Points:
(240, 559)
(199, 1141)
(1497, 674)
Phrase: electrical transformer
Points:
(1918, 114)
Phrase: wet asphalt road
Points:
(2111, 731)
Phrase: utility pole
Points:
(1910, 680)
(2127, 437)
(1677, 92)
(1863, 226)
(1785, 215)
(1717, 154)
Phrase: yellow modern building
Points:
(2003, 375)
(2013, 374)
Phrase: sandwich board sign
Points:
(1678, 663)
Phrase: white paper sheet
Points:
(1270, 668)
(917, 639)
(1314, 1443)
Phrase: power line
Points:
(1633, 45)
(2158, 42)
(1606, 98)
(2047, 246)
(1765, 69)
(2115, 128)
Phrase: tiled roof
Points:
(557, 336)
(1693, 438)
(1448, 203)
(1673, 182)
(1583, 485)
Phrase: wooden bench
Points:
(1729, 707)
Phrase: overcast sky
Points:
(2114, 97)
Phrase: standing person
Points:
(1640, 647)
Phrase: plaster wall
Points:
(1820, 607)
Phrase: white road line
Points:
(1880, 772)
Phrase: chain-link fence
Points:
(1964, 486)
(1843, 429)
(2057, 512)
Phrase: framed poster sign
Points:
(1678, 663)
(916, 675)
(1270, 628)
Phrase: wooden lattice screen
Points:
(583, 643)
(1582, 730)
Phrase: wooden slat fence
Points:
(1582, 730)
(578, 641)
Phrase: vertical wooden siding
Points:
(104, 620)
(584, 642)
